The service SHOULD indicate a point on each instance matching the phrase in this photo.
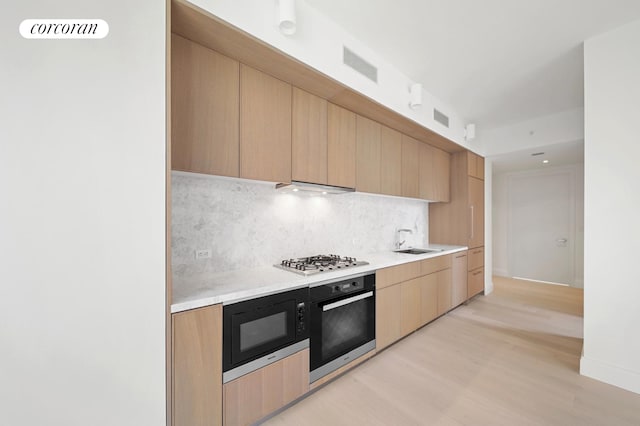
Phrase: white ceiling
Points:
(562, 154)
(496, 62)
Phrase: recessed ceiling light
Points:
(295, 189)
(324, 192)
(545, 161)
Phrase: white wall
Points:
(248, 224)
(500, 214)
(611, 350)
(318, 43)
(82, 172)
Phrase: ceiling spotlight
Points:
(545, 161)
(287, 17)
(415, 101)
(469, 132)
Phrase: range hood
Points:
(297, 186)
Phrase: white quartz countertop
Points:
(235, 286)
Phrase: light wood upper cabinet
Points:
(204, 110)
(367, 155)
(475, 165)
(388, 315)
(410, 167)
(341, 147)
(426, 173)
(309, 138)
(459, 278)
(265, 127)
(441, 175)
(390, 161)
(197, 367)
(257, 394)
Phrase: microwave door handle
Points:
(343, 302)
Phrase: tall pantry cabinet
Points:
(461, 221)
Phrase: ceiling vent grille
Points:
(350, 59)
(440, 118)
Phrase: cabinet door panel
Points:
(476, 282)
(265, 127)
(390, 161)
(410, 167)
(341, 147)
(444, 291)
(410, 306)
(442, 175)
(459, 278)
(428, 298)
(204, 110)
(476, 212)
(388, 316)
(309, 139)
(476, 258)
(427, 176)
(197, 367)
(367, 155)
(261, 392)
(397, 274)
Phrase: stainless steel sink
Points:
(418, 251)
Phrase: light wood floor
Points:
(510, 358)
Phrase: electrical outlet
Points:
(203, 254)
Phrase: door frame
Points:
(572, 173)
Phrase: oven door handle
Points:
(343, 302)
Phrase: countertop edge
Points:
(379, 261)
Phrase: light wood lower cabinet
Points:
(428, 298)
(444, 291)
(410, 305)
(459, 278)
(197, 367)
(476, 282)
(257, 394)
(407, 298)
(388, 315)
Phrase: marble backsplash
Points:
(247, 224)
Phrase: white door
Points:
(542, 226)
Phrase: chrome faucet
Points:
(400, 243)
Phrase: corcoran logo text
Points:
(64, 28)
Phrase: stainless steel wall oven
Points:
(343, 323)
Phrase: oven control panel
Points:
(301, 317)
(347, 286)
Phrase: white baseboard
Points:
(616, 376)
(500, 272)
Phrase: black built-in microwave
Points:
(260, 331)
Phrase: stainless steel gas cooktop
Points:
(321, 263)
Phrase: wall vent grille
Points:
(350, 59)
(440, 118)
